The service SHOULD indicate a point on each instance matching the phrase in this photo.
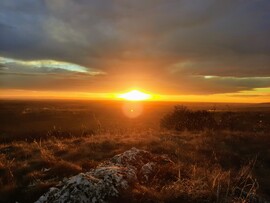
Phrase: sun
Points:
(135, 95)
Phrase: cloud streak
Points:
(43, 66)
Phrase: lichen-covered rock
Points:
(133, 157)
(109, 180)
(147, 171)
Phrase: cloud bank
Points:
(162, 46)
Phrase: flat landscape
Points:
(44, 142)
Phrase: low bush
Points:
(181, 118)
(184, 119)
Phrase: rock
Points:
(109, 180)
(133, 157)
(146, 171)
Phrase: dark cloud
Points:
(171, 43)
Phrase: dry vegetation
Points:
(212, 166)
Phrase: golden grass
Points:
(214, 166)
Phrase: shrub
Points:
(184, 119)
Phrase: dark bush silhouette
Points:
(244, 121)
(184, 119)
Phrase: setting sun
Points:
(135, 95)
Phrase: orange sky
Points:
(256, 96)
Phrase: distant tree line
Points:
(182, 118)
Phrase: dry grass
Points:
(211, 166)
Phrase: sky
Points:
(180, 50)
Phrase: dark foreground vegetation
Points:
(183, 118)
(211, 164)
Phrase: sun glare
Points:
(135, 95)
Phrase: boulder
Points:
(110, 180)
